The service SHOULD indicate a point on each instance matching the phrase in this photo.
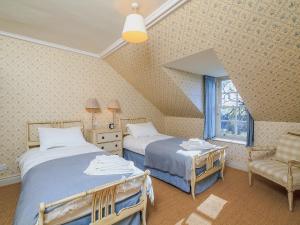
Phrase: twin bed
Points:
(55, 189)
(191, 171)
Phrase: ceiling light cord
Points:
(135, 6)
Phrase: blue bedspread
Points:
(163, 155)
(177, 181)
(60, 178)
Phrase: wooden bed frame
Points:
(198, 160)
(31, 143)
(103, 197)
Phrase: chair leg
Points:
(290, 198)
(250, 175)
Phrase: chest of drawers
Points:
(107, 140)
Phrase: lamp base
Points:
(93, 120)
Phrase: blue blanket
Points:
(178, 182)
(163, 155)
(60, 178)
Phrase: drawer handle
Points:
(117, 135)
(102, 137)
(116, 145)
(102, 147)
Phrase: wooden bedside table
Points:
(109, 140)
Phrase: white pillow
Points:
(142, 129)
(60, 137)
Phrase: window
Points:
(231, 115)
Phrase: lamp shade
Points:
(92, 104)
(114, 105)
(134, 30)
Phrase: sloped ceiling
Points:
(139, 69)
(190, 84)
(204, 62)
(258, 42)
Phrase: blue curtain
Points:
(209, 107)
(250, 131)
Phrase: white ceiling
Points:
(87, 25)
(202, 63)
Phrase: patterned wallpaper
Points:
(266, 133)
(190, 84)
(42, 83)
(258, 42)
(184, 127)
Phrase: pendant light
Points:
(134, 30)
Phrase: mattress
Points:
(138, 145)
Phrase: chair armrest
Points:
(294, 163)
(266, 149)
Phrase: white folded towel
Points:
(113, 164)
(196, 145)
(196, 140)
(108, 165)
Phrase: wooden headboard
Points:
(125, 121)
(32, 129)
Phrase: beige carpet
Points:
(229, 202)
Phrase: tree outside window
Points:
(231, 112)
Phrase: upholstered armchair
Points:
(280, 164)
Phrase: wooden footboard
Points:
(207, 160)
(103, 200)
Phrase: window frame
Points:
(219, 135)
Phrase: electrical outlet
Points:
(3, 167)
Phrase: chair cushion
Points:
(288, 148)
(275, 169)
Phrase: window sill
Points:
(230, 141)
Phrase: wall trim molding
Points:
(46, 43)
(157, 15)
(10, 180)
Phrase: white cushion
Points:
(275, 169)
(142, 129)
(60, 137)
(288, 148)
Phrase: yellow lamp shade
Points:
(114, 105)
(92, 105)
(134, 29)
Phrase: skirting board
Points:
(237, 165)
(10, 180)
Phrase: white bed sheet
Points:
(35, 156)
(138, 145)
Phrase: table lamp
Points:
(113, 106)
(92, 106)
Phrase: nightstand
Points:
(109, 140)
